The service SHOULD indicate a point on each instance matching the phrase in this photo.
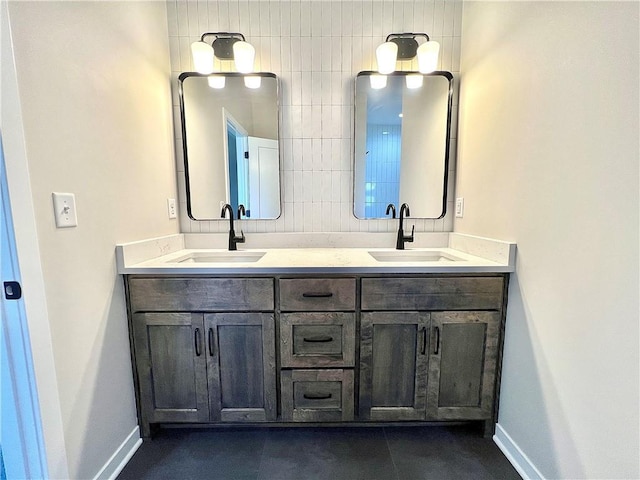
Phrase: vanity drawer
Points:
(433, 293)
(317, 294)
(315, 340)
(201, 294)
(317, 395)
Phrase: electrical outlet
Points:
(64, 210)
(460, 207)
(171, 207)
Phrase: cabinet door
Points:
(171, 367)
(462, 365)
(393, 365)
(241, 366)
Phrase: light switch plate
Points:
(64, 210)
(171, 207)
(459, 207)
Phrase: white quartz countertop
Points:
(169, 256)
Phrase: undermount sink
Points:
(220, 257)
(413, 256)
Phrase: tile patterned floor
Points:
(372, 453)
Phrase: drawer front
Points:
(317, 294)
(201, 294)
(446, 293)
(313, 340)
(317, 395)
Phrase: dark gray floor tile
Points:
(326, 453)
(446, 453)
(407, 453)
(198, 454)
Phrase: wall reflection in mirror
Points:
(230, 139)
(402, 129)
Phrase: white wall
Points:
(548, 157)
(95, 96)
(316, 48)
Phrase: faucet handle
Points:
(410, 238)
(241, 238)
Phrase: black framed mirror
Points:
(230, 142)
(401, 143)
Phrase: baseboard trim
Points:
(121, 456)
(515, 455)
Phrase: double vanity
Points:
(317, 334)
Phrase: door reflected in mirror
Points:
(230, 140)
(402, 130)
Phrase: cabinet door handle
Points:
(317, 294)
(210, 341)
(318, 339)
(317, 396)
(198, 341)
(423, 350)
(437, 347)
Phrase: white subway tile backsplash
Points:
(307, 153)
(316, 47)
(315, 9)
(316, 154)
(298, 217)
(172, 18)
(316, 217)
(184, 46)
(307, 187)
(308, 215)
(446, 53)
(298, 187)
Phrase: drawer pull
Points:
(318, 339)
(317, 294)
(197, 342)
(317, 396)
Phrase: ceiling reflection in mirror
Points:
(230, 140)
(402, 130)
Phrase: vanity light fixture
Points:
(386, 55)
(404, 46)
(225, 46)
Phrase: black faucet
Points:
(401, 236)
(233, 240)
(391, 207)
(241, 211)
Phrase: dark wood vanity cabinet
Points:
(196, 367)
(393, 364)
(431, 348)
(317, 348)
(171, 368)
(382, 348)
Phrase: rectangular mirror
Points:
(402, 143)
(230, 141)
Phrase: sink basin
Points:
(413, 256)
(220, 257)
